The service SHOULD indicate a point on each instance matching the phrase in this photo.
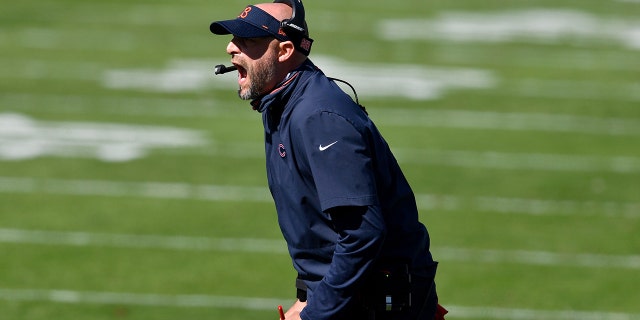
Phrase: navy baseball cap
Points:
(252, 22)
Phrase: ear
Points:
(286, 49)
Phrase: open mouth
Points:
(242, 74)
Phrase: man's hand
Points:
(294, 312)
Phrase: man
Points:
(344, 206)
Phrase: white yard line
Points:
(536, 25)
(545, 258)
(165, 300)
(432, 202)
(249, 303)
(371, 80)
(440, 202)
(463, 119)
(134, 189)
(270, 246)
(519, 161)
(22, 137)
(88, 239)
(510, 121)
(465, 312)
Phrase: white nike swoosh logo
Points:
(323, 148)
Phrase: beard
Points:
(260, 75)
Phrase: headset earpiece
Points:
(296, 26)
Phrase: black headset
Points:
(296, 26)
(297, 30)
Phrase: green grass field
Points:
(132, 180)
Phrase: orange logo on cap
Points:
(245, 13)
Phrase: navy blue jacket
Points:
(342, 201)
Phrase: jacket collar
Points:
(283, 90)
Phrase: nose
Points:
(232, 48)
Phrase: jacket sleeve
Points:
(361, 233)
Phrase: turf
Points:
(544, 158)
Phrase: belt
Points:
(301, 290)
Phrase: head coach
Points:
(344, 207)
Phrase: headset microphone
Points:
(222, 69)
